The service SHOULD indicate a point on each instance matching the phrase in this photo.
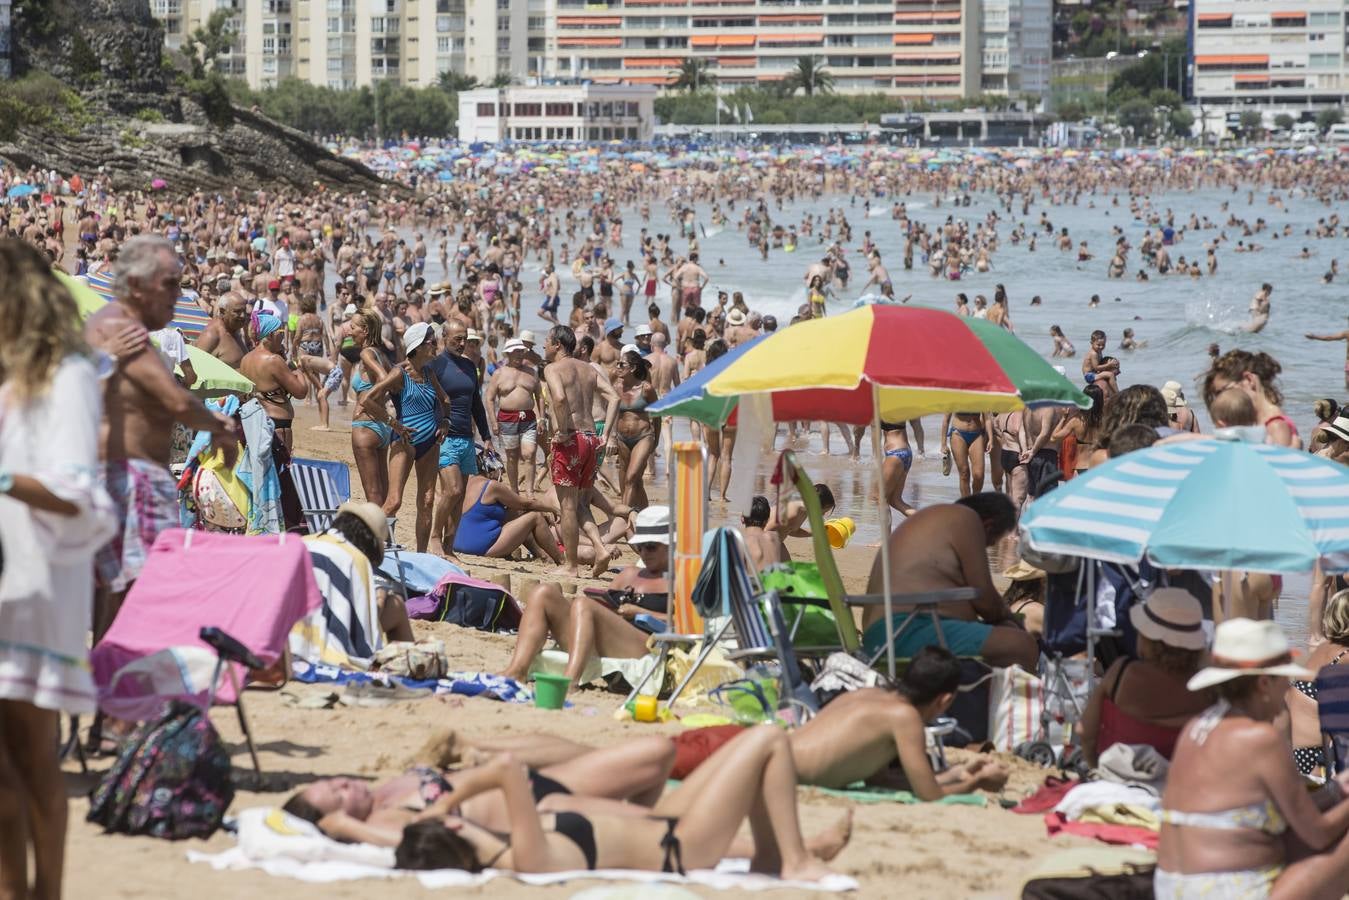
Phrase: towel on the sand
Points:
(470, 684)
(1055, 823)
(345, 630)
(864, 794)
(421, 572)
(283, 845)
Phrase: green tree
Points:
(1182, 121)
(503, 80)
(1138, 115)
(1251, 123)
(454, 82)
(1070, 111)
(810, 76)
(1284, 121)
(1167, 98)
(1081, 22)
(1331, 115)
(693, 75)
(201, 48)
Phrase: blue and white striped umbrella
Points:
(1204, 504)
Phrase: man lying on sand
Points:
(873, 735)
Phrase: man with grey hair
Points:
(141, 402)
(221, 336)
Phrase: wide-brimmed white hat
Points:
(1171, 616)
(1174, 395)
(371, 514)
(651, 526)
(1339, 427)
(528, 337)
(1246, 647)
(512, 345)
(735, 316)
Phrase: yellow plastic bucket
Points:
(840, 531)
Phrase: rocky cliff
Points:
(137, 122)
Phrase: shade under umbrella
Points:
(1202, 504)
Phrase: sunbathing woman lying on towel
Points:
(693, 827)
(349, 809)
(586, 627)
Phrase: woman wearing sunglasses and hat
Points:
(1237, 819)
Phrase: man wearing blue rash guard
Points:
(458, 378)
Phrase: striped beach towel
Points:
(345, 630)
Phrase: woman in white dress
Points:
(53, 517)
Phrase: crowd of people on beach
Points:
(540, 444)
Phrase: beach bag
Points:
(1092, 873)
(421, 661)
(1016, 700)
(171, 780)
(843, 672)
(471, 606)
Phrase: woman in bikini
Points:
(895, 466)
(1084, 427)
(635, 434)
(1302, 710)
(1237, 819)
(371, 438)
(752, 777)
(967, 450)
(416, 395)
(1144, 700)
(275, 381)
(1255, 374)
(350, 809)
(313, 351)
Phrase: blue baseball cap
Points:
(614, 324)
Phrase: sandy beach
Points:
(922, 850)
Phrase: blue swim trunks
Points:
(458, 451)
(962, 638)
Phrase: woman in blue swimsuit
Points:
(968, 451)
(895, 466)
(370, 437)
(496, 520)
(416, 396)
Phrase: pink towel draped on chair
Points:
(252, 588)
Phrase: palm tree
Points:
(693, 75)
(810, 76)
(503, 80)
(455, 82)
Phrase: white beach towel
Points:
(281, 844)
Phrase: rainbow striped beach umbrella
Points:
(894, 363)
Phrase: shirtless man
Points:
(1259, 309)
(552, 295)
(873, 735)
(220, 337)
(513, 397)
(572, 385)
(608, 350)
(942, 547)
(738, 331)
(664, 367)
(691, 279)
(1339, 336)
(764, 545)
(141, 402)
(880, 276)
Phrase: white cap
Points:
(350, 310)
(630, 348)
(415, 336)
(473, 336)
(642, 331)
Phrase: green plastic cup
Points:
(550, 691)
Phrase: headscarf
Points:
(265, 324)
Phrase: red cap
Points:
(273, 285)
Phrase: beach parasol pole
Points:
(883, 509)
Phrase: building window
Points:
(535, 45)
(504, 23)
(442, 45)
(487, 110)
(537, 23)
(529, 109)
(559, 109)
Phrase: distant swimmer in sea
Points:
(1259, 309)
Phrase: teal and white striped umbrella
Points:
(1203, 504)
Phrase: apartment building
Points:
(1016, 39)
(1269, 53)
(6, 45)
(349, 43)
(923, 49)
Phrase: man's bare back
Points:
(571, 394)
(924, 556)
(870, 719)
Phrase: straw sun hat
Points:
(371, 514)
(1246, 647)
(1170, 616)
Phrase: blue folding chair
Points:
(1332, 708)
(323, 486)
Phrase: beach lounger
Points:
(207, 609)
(323, 486)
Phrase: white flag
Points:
(735, 112)
(721, 105)
(749, 115)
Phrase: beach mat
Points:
(862, 794)
(467, 684)
(288, 847)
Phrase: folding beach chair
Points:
(1332, 708)
(207, 609)
(323, 486)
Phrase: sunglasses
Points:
(644, 548)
